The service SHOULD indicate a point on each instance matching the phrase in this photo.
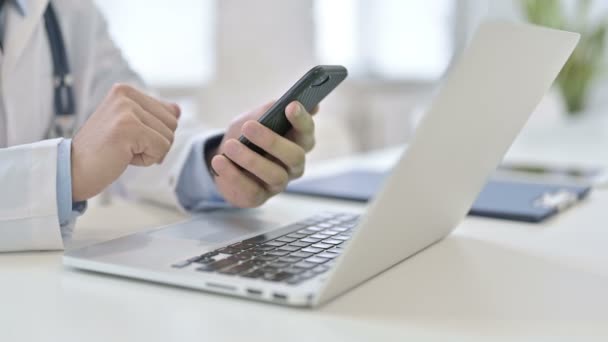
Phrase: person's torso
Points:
(26, 72)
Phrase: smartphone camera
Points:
(320, 81)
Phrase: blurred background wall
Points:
(221, 58)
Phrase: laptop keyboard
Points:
(290, 254)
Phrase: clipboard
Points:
(508, 199)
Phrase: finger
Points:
(254, 114)
(151, 147)
(167, 113)
(303, 132)
(290, 154)
(177, 110)
(236, 187)
(258, 112)
(153, 122)
(273, 176)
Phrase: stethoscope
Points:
(64, 121)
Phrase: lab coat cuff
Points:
(196, 190)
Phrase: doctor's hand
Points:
(128, 128)
(247, 179)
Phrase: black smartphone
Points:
(313, 87)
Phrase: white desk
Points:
(490, 277)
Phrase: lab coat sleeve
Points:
(156, 183)
(28, 200)
(196, 190)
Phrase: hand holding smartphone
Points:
(313, 87)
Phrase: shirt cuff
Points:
(64, 182)
(67, 211)
(196, 190)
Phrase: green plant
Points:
(586, 63)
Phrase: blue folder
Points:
(504, 199)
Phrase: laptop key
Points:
(332, 241)
(322, 245)
(228, 250)
(316, 260)
(254, 274)
(259, 262)
(300, 244)
(293, 270)
(264, 248)
(238, 246)
(244, 256)
(301, 254)
(266, 257)
(296, 235)
(313, 250)
(289, 259)
(181, 264)
(210, 254)
(256, 251)
(286, 239)
(327, 255)
(279, 276)
(248, 244)
(237, 269)
(277, 253)
(310, 240)
(204, 261)
(278, 264)
(289, 248)
(218, 265)
(274, 243)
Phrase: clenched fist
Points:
(246, 178)
(128, 128)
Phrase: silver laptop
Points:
(482, 105)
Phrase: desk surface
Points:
(489, 278)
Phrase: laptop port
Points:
(254, 292)
(279, 296)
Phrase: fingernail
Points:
(177, 109)
(213, 171)
(299, 110)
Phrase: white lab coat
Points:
(28, 208)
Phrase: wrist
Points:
(77, 192)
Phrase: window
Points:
(170, 43)
(389, 39)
